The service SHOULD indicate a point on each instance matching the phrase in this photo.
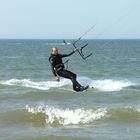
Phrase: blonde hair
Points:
(54, 48)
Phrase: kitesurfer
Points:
(58, 68)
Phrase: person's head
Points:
(54, 51)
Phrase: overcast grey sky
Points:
(51, 19)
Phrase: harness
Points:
(61, 66)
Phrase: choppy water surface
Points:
(34, 106)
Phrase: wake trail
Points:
(101, 85)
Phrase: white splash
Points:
(102, 85)
(134, 108)
(37, 85)
(110, 85)
(68, 116)
(105, 84)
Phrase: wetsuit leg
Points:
(72, 76)
(76, 85)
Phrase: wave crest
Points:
(41, 115)
(102, 85)
(37, 85)
(68, 116)
(110, 85)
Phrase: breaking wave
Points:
(102, 85)
(110, 85)
(81, 116)
(37, 85)
(68, 116)
(54, 116)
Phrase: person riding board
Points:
(58, 68)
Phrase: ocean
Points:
(33, 106)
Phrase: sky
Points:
(69, 19)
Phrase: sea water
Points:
(33, 106)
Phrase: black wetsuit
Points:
(58, 68)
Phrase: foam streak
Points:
(102, 85)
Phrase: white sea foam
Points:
(106, 84)
(68, 116)
(37, 85)
(102, 85)
(133, 108)
(110, 85)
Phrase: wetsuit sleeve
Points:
(66, 55)
(52, 66)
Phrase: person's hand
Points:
(57, 78)
(76, 49)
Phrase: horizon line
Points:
(69, 38)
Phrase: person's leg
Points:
(76, 85)
(72, 77)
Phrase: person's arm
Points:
(66, 55)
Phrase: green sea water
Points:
(33, 106)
